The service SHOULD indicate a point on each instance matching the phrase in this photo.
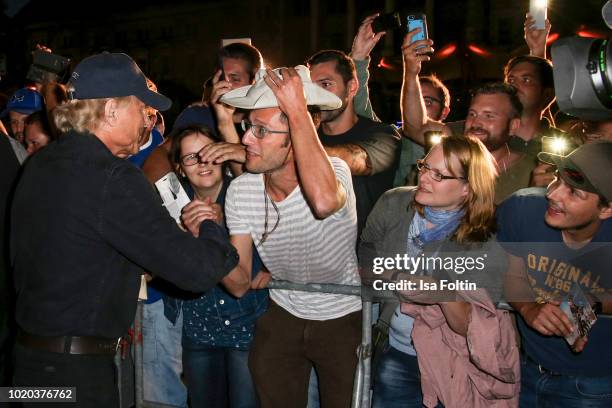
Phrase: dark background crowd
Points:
(169, 40)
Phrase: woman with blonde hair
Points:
(451, 346)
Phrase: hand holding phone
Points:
(415, 52)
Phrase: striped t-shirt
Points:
(302, 249)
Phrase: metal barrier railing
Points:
(362, 381)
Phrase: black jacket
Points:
(85, 224)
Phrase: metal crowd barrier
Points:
(362, 381)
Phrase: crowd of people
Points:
(291, 176)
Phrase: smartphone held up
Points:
(538, 10)
(415, 21)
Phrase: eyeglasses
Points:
(259, 131)
(193, 158)
(423, 168)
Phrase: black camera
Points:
(386, 22)
(582, 70)
(47, 67)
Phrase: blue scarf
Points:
(445, 224)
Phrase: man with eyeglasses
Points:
(558, 242)
(297, 206)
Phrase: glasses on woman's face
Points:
(193, 158)
(423, 168)
(259, 131)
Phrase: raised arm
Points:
(536, 39)
(317, 177)
(365, 40)
(414, 113)
(232, 150)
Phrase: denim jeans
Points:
(546, 390)
(397, 383)
(218, 378)
(314, 399)
(161, 355)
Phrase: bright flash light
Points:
(435, 139)
(558, 145)
(541, 3)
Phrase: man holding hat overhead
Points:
(297, 205)
(559, 241)
(85, 225)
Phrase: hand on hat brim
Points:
(288, 89)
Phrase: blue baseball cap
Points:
(113, 75)
(194, 115)
(25, 100)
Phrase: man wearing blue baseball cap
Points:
(23, 103)
(85, 225)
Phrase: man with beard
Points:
(493, 117)
(369, 148)
(558, 242)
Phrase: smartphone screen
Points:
(537, 9)
(418, 21)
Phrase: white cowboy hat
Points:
(260, 96)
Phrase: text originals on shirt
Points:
(410, 264)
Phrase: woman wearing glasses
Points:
(217, 327)
(449, 214)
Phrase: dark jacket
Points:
(85, 224)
